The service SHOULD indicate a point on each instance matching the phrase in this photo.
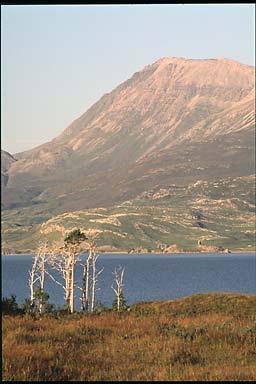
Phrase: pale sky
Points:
(56, 61)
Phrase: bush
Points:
(39, 305)
(123, 306)
(100, 307)
(28, 307)
(10, 306)
(41, 300)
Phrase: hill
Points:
(218, 214)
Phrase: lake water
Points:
(147, 277)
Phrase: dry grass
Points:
(201, 337)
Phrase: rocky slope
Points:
(175, 121)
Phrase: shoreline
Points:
(150, 253)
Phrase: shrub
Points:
(39, 305)
(28, 307)
(123, 306)
(10, 306)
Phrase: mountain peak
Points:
(168, 122)
(175, 59)
(213, 73)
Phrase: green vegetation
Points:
(201, 338)
(10, 306)
(219, 214)
(122, 306)
(75, 237)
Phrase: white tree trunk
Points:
(118, 279)
(72, 293)
(95, 275)
(87, 294)
(84, 286)
(42, 275)
(60, 260)
(37, 273)
(93, 281)
(33, 277)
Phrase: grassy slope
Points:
(160, 216)
(201, 337)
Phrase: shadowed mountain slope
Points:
(6, 160)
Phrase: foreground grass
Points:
(201, 337)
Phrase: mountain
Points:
(174, 124)
(6, 160)
(177, 120)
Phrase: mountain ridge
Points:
(94, 108)
(139, 130)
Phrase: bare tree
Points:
(37, 273)
(118, 280)
(85, 288)
(71, 252)
(63, 260)
(90, 275)
(33, 276)
(95, 275)
(60, 262)
(72, 244)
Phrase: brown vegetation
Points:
(201, 337)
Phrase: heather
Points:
(200, 337)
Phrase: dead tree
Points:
(85, 288)
(72, 244)
(90, 277)
(59, 261)
(33, 276)
(63, 260)
(71, 260)
(95, 275)
(118, 279)
(37, 273)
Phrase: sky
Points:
(56, 61)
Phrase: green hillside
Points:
(219, 215)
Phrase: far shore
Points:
(150, 253)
